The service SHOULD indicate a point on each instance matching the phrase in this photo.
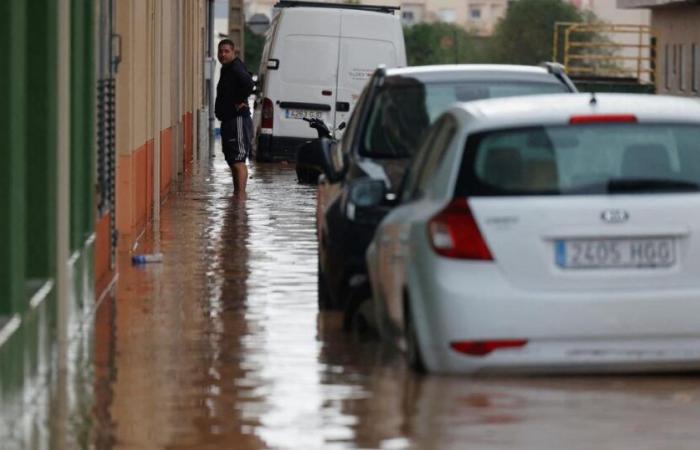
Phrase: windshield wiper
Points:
(621, 185)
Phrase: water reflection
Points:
(222, 346)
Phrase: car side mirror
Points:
(364, 197)
(367, 192)
(324, 155)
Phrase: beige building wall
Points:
(159, 92)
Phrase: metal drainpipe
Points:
(212, 68)
(157, 111)
(63, 280)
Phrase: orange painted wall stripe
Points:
(166, 160)
(187, 129)
(103, 273)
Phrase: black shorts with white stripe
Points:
(236, 137)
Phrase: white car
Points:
(557, 233)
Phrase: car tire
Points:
(306, 175)
(324, 297)
(301, 175)
(352, 317)
(414, 358)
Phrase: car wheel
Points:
(306, 176)
(324, 298)
(413, 354)
(301, 175)
(352, 317)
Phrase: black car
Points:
(388, 124)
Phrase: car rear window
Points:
(404, 107)
(582, 159)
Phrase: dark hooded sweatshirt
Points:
(235, 86)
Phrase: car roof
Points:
(557, 109)
(467, 71)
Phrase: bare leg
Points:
(240, 177)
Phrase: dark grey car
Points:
(387, 126)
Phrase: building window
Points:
(408, 17)
(447, 15)
(475, 13)
(681, 68)
(694, 57)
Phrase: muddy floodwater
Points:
(222, 346)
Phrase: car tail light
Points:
(603, 118)
(453, 233)
(483, 348)
(267, 113)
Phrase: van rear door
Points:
(367, 40)
(307, 51)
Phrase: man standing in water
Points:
(232, 92)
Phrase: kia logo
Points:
(614, 216)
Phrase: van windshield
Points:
(582, 159)
(405, 107)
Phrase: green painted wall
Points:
(12, 147)
(83, 93)
(41, 138)
(28, 207)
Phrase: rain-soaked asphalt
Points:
(222, 346)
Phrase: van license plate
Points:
(615, 253)
(302, 114)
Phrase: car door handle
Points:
(342, 106)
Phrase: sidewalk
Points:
(184, 343)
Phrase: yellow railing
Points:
(605, 50)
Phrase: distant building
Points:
(477, 16)
(608, 11)
(675, 25)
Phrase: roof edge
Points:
(631, 4)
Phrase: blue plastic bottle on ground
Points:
(149, 258)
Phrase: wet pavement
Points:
(222, 346)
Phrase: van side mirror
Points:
(323, 155)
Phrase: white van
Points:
(316, 60)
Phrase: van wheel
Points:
(413, 354)
(324, 298)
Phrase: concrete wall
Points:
(158, 93)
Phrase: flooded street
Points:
(222, 346)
